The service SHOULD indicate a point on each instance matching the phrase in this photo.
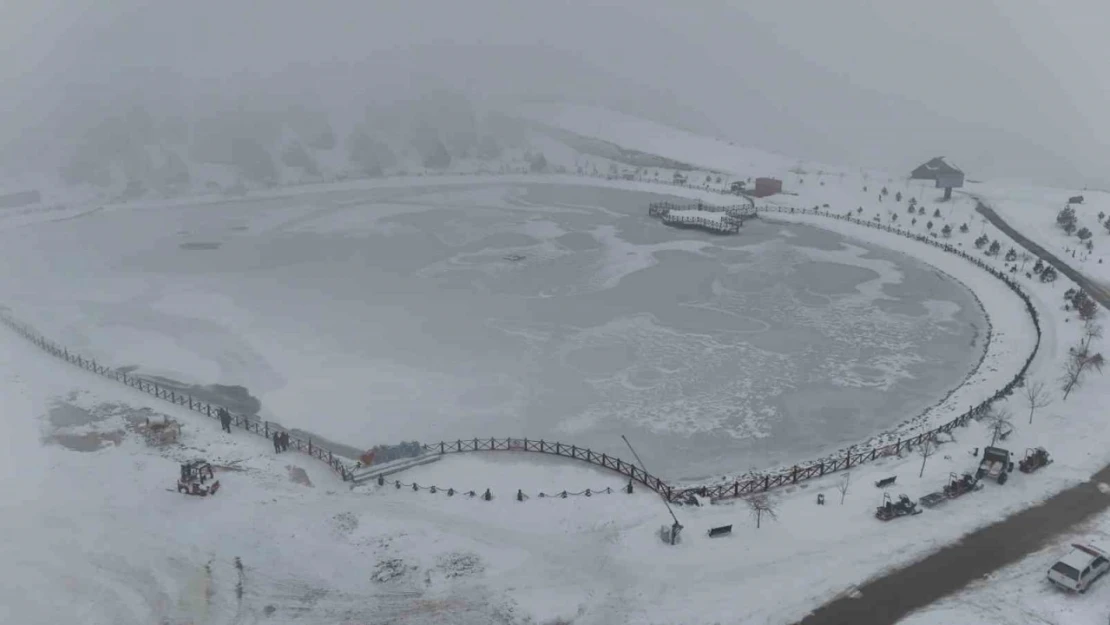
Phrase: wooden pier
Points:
(729, 222)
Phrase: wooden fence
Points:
(606, 461)
(252, 425)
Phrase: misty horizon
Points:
(850, 85)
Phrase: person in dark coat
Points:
(277, 442)
(285, 441)
(225, 420)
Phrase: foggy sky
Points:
(1014, 88)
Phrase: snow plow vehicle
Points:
(996, 465)
(891, 510)
(1034, 459)
(193, 477)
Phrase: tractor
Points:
(193, 477)
(996, 465)
(1034, 459)
(890, 509)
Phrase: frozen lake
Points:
(544, 311)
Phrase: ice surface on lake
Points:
(544, 311)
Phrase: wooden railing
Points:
(245, 422)
(575, 452)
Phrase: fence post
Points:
(849, 455)
(310, 446)
(265, 425)
(208, 409)
(441, 448)
(795, 478)
(822, 467)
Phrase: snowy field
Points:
(543, 311)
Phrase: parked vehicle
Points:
(1077, 570)
(193, 477)
(996, 465)
(1034, 459)
(890, 509)
(958, 485)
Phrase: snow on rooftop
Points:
(697, 214)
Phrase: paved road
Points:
(886, 600)
(1099, 292)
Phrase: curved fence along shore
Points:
(749, 484)
(254, 426)
(574, 452)
(855, 457)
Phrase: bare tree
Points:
(998, 420)
(842, 486)
(1025, 257)
(1036, 396)
(1091, 331)
(760, 504)
(1080, 360)
(927, 448)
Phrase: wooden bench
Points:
(886, 481)
(723, 530)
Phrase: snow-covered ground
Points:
(100, 525)
(1033, 210)
(655, 138)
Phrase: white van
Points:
(1079, 568)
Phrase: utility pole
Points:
(676, 527)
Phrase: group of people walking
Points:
(281, 439)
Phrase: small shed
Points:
(946, 176)
(935, 168)
(767, 186)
